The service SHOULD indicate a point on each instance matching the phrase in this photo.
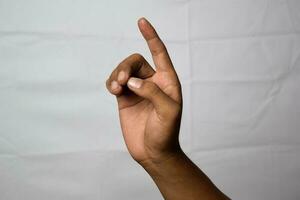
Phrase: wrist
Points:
(156, 165)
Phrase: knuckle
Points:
(121, 65)
(158, 48)
(114, 72)
(137, 56)
(140, 58)
(113, 75)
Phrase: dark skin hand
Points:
(150, 107)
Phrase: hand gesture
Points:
(149, 101)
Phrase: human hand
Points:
(150, 106)
(149, 101)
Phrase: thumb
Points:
(163, 104)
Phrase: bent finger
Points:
(163, 104)
(133, 65)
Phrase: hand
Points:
(150, 106)
(149, 101)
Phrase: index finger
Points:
(158, 50)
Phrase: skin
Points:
(150, 107)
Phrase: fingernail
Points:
(121, 76)
(134, 82)
(143, 20)
(114, 85)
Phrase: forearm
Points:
(179, 178)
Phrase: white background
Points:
(239, 63)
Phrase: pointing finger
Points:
(158, 50)
(156, 46)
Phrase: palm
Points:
(136, 122)
(141, 126)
